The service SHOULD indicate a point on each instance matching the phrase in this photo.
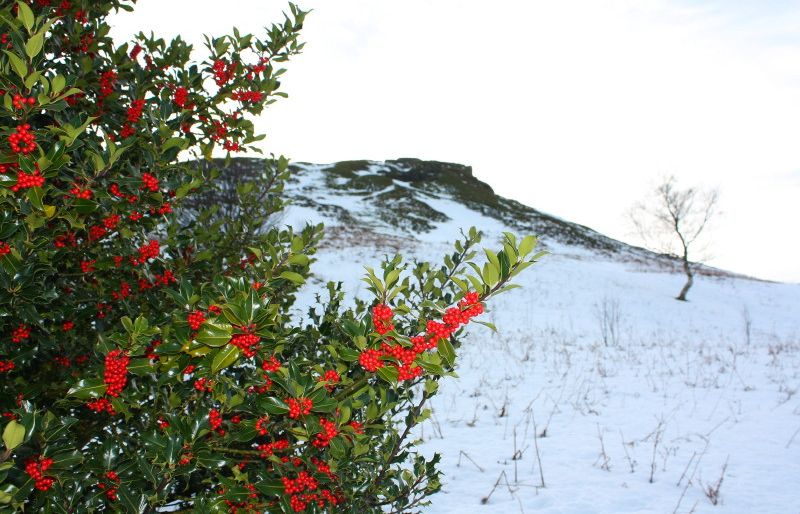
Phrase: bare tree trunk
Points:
(689, 278)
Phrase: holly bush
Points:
(150, 360)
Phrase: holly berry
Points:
(35, 467)
(116, 372)
(299, 407)
(195, 319)
(23, 141)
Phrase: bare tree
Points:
(673, 220)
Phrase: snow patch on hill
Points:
(601, 393)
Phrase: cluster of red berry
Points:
(116, 372)
(62, 360)
(215, 421)
(271, 366)
(88, 266)
(103, 309)
(382, 318)
(329, 431)
(5, 248)
(372, 359)
(247, 96)
(332, 378)
(6, 366)
(231, 146)
(246, 342)
(195, 319)
(124, 291)
(23, 140)
(64, 240)
(301, 492)
(149, 182)
(303, 482)
(204, 385)
(268, 449)
(28, 180)
(261, 425)
(20, 102)
(20, 333)
(299, 407)
(257, 68)
(109, 484)
(111, 221)
(223, 71)
(78, 192)
(181, 97)
(36, 467)
(107, 82)
(246, 506)
(133, 115)
(147, 252)
(101, 405)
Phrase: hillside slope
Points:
(600, 393)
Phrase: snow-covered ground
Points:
(603, 394)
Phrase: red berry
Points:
(195, 319)
(116, 372)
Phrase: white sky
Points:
(574, 107)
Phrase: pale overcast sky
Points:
(573, 107)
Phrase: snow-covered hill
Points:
(601, 393)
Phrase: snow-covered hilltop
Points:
(600, 393)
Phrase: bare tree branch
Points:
(673, 219)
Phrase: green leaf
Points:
(527, 245)
(88, 388)
(13, 435)
(348, 355)
(292, 276)
(447, 351)
(460, 283)
(270, 488)
(132, 502)
(431, 386)
(20, 67)
(35, 195)
(54, 432)
(69, 92)
(84, 206)
(491, 275)
(214, 333)
(388, 373)
(273, 405)
(57, 84)
(140, 367)
(67, 460)
(180, 142)
(492, 258)
(25, 15)
(224, 358)
(326, 405)
(34, 45)
(486, 324)
(299, 259)
(31, 79)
